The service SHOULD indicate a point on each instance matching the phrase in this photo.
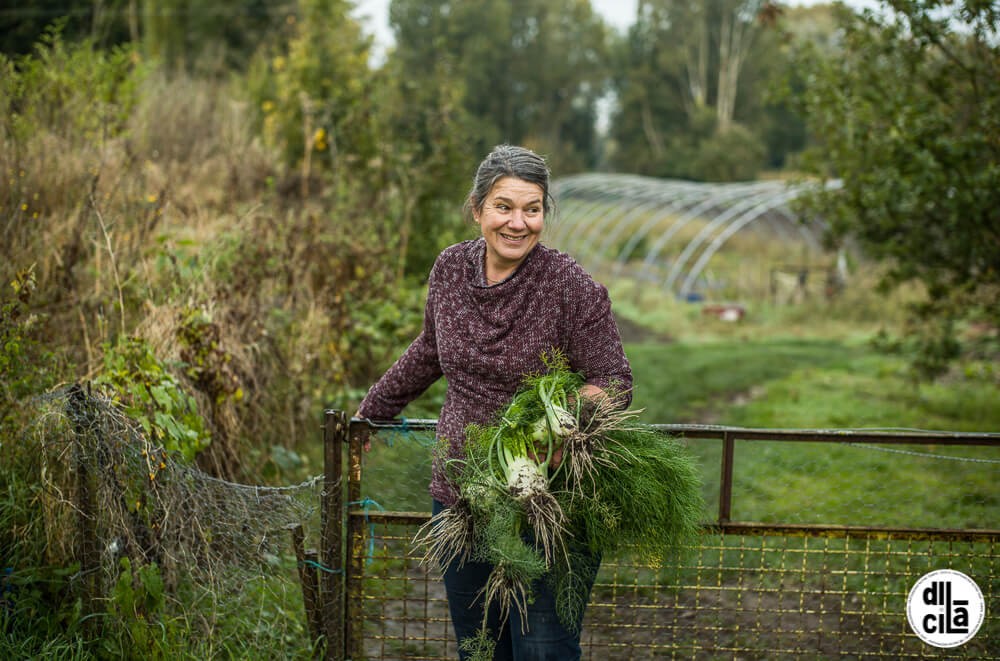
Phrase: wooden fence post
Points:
(84, 447)
(308, 561)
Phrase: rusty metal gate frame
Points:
(344, 523)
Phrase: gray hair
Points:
(508, 161)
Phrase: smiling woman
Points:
(495, 307)
(509, 200)
(511, 219)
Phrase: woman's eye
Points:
(502, 207)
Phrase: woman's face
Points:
(511, 220)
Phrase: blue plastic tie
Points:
(366, 504)
(313, 563)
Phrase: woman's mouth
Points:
(513, 238)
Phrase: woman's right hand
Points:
(364, 432)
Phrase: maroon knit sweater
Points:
(484, 339)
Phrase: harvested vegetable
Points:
(536, 488)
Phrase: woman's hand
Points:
(590, 396)
(364, 433)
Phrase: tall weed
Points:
(62, 107)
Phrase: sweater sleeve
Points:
(410, 375)
(595, 345)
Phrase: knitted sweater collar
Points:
(476, 258)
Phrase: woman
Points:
(494, 306)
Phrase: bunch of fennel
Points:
(538, 489)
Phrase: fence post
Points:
(84, 448)
(307, 561)
(354, 616)
(334, 435)
(726, 483)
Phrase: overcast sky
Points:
(618, 13)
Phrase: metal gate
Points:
(747, 591)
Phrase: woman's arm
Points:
(595, 347)
(406, 380)
(411, 374)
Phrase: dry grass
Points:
(181, 215)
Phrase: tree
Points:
(681, 75)
(313, 92)
(23, 23)
(530, 71)
(425, 153)
(177, 32)
(907, 116)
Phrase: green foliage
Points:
(381, 329)
(136, 604)
(21, 26)
(529, 73)
(654, 495)
(690, 81)
(153, 397)
(26, 367)
(71, 89)
(35, 617)
(734, 155)
(61, 101)
(906, 116)
(480, 647)
(312, 94)
(206, 363)
(425, 134)
(184, 33)
(36, 621)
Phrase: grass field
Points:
(827, 384)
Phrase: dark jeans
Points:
(544, 639)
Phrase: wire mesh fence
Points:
(797, 586)
(164, 556)
(746, 596)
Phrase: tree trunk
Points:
(649, 129)
(697, 65)
(735, 38)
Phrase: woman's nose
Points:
(516, 218)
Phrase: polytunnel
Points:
(671, 233)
